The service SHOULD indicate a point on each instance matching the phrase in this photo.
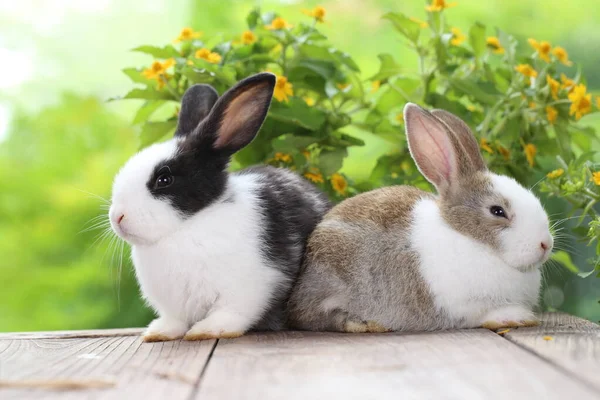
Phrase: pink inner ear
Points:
(435, 147)
(238, 112)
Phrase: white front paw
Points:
(164, 329)
(509, 317)
(219, 325)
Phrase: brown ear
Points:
(431, 146)
(238, 115)
(464, 135)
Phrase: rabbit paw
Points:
(218, 325)
(351, 326)
(509, 317)
(163, 329)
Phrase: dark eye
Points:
(498, 211)
(163, 181)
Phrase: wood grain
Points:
(569, 342)
(100, 367)
(470, 364)
(71, 334)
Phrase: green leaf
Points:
(565, 259)
(482, 92)
(158, 52)
(146, 110)
(404, 25)
(136, 76)
(477, 39)
(330, 161)
(153, 131)
(253, 18)
(149, 94)
(298, 113)
(388, 68)
(288, 143)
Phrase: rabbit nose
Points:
(120, 218)
(544, 246)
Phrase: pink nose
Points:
(123, 216)
(543, 244)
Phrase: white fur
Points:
(206, 271)
(473, 283)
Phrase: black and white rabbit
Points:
(215, 253)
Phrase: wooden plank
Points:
(569, 342)
(470, 364)
(100, 367)
(71, 334)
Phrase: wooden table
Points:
(558, 360)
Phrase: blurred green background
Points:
(61, 142)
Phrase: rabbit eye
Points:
(163, 181)
(498, 211)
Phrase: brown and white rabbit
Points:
(401, 259)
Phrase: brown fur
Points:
(360, 259)
(157, 337)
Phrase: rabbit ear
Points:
(465, 136)
(238, 115)
(432, 146)
(196, 104)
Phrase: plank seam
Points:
(196, 386)
(548, 361)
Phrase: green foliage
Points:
(578, 182)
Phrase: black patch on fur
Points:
(290, 214)
(196, 104)
(200, 178)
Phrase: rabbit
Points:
(215, 253)
(402, 259)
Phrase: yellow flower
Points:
(208, 55)
(493, 43)
(504, 152)
(439, 5)
(551, 114)
(486, 146)
(278, 24)
(596, 178)
(248, 37)
(400, 118)
(283, 157)
(457, 37)
(581, 102)
(283, 89)
(526, 70)
(342, 86)
(567, 83)
(598, 102)
(562, 55)
(189, 62)
(530, 152)
(543, 48)
(158, 70)
(375, 85)
(547, 338)
(314, 176)
(318, 13)
(309, 101)
(339, 183)
(306, 154)
(187, 34)
(556, 173)
(554, 86)
(532, 104)
(422, 24)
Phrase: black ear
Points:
(196, 104)
(238, 115)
